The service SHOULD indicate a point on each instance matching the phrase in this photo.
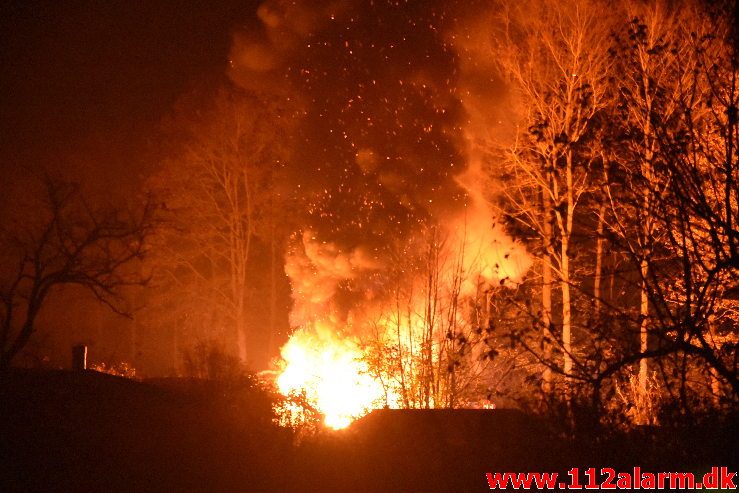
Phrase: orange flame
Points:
(331, 372)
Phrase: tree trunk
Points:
(566, 224)
(241, 330)
(598, 275)
(546, 290)
(643, 329)
(566, 308)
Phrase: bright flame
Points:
(331, 372)
(410, 343)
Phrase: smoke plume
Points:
(395, 101)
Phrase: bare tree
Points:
(700, 209)
(431, 344)
(66, 241)
(672, 189)
(653, 66)
(558, 63)
(220, 187)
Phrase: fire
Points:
(350, 358)
(331, 372)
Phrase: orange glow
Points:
(382, 354)
(331, 372)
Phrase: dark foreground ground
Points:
(63, 431)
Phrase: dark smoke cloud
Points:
(377, 85)
(396, 101)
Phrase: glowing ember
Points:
(330, 372)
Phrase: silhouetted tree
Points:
(64, 240)
(695, 295)
(653, 65)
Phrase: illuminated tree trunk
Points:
(598, 274)
(566, 308)
(713, 374)
(644, 330)
(241, 332)
(565, 222)
(546, 287)
(238, 191)
(646, 238)
(401, 353)
(454, 346)
(560, 65)
(649, 80)
(428, 377)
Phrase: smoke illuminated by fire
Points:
(333, 359)
(398, 249)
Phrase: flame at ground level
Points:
(424, 342)
(332, 374)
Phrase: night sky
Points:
(85, 84)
